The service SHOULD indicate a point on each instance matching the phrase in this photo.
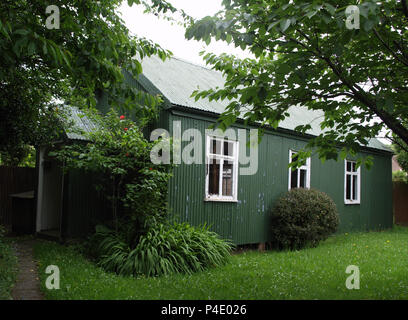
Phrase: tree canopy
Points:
(71, 52)
(305, 54)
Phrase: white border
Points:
(306, 167)
(221, 158)
(358, 174)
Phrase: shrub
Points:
(301, 218)
(119, 156)
(163, 250)
(399, 176)
(8, 267)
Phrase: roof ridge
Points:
(192, 63)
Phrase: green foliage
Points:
(23, 156)
(118, 153)
(8, 266)
(303, 54)
(30, 121)
(303, 217)
(399, 176)
(139, 241)
(165, 249)
(74, 63)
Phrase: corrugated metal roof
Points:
(77, 123)
(176, 79)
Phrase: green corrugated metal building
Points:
(245, 219)
(216, 193)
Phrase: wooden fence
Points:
(13, 180)
(400, 202)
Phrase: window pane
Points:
(294, 157)
(302, 178)
(227, 178)
(293, 179)
(354, 167)
(228, 148)
(214, 177)
(354, 187)
(348, 187)
(215, 146)
(348, 166)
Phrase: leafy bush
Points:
(399, 176)
(119, 154)
(163, 250)
(8, 266)
(303, 217)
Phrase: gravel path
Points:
(27, 286)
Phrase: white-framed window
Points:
(221, 183)
(352, 177)
(300, 177)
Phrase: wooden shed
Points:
(67, 203)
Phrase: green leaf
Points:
(330, 8)
(31, 48)
(284, 24)
(273, 25)
(22, 32)
(368, 25)
(311, 13)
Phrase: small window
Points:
(300, 177)
(351, 183)
(221, 169)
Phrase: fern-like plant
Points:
(165, 249)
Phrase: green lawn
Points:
(8, 269)
(318, 273)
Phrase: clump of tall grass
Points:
(165, 249)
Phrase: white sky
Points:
(171, 36)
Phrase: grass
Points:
(8, 269)
(317, 273)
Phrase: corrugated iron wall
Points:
(13, 180)
(247, 221)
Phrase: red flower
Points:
(122, 117)
(150, 168)
(126, 129)
(127, 154)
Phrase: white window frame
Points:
(304, 167)
(351, 173)
(222, 158)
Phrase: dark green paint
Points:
(247, 221)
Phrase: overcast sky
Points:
(170, 36)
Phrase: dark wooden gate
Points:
(400, 202)
(13, 180)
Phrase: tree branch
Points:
(403, 147)
(389, 48)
